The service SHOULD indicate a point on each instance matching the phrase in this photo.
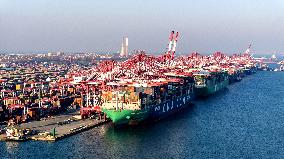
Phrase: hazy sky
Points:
(99, 25)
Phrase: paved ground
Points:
(70, 124)
(47, 125)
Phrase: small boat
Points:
(16, 138)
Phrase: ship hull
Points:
(126, 117)
(235, 78)
(247, 71)
(150, 113)
(211, 89)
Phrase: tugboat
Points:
(281, 68)
(209, 82)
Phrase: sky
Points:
(205, 26)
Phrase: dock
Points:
(57, 127)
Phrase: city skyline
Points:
(205, 27)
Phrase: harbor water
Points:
(246, 120)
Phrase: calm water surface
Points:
(244, 121)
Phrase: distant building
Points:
(50, 54)
(124, 47)
(59, 53)
(3, 65)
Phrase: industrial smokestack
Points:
(124, 47)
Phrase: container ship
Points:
(209, 82)
(148, 88)
(134, 102)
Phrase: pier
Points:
(56, 127)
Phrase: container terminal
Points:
(49, 97)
